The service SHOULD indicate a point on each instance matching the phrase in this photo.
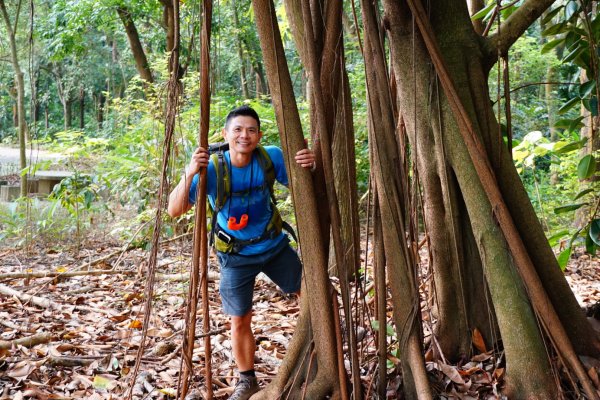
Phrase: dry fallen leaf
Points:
(135, 324)
(21, 370)
(478, 341)
(451, 372)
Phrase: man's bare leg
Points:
(242, 342)
(244, 347)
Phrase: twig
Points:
(29, 341)
(9, 324)
(36, 300)
(96, 272)
(70, 361)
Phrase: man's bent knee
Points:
(241, 323)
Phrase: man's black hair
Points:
(245, 111)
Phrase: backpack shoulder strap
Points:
(223, 179)
(266, 164)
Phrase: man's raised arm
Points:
(179, 202)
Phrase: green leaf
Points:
(100, 382)
(563, 258)
(568, 207)
(388, 329)
(555, 29)
(571, 39)
(583, 193)
(554, 239)
(483, 12)
(548, 17)
(586, 88)
(561, 148)
(590, 246)
(586, 167)
(571, 9)
(563, 123)
(573, 54)
(507, 12)
(568, 105)
(575, 125)
(595, 231)
(551, 45)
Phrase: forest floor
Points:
(75, 333)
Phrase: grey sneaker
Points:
(245, 388)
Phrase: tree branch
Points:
(29, 341)
(515, 25)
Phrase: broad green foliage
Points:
(80, 46)
(557, 172)
(34, 221)
(574, 28)
(548, 170)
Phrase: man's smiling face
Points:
(242, 134)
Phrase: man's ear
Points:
(260, 135)
(224, 133)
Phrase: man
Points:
(245, 219)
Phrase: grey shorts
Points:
(238, 273)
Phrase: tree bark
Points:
(474, 7)
(141, 62)
(100, 110)
(240, 50)
(384, 163)
(302, 190)
(20, 84)
(81, 108)
(452, 54)
(169, 23)
(68, 113)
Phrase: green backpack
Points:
(223, 241)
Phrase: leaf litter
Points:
(88, 343)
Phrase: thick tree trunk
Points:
(294, 13)
(525, 352)
(442, 215)
(400, 262)
(301, 186)
(141, 62)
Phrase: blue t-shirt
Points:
(249, 195)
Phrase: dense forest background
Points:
(82, 63)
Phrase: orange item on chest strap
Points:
(233, 225)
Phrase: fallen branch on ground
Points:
(69, 361)
(95, 272)
(29, 341)
(9, 324)
(27, 298)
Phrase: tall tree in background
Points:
(141, 61)
(11, 29)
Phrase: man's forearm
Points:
(179, 197)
